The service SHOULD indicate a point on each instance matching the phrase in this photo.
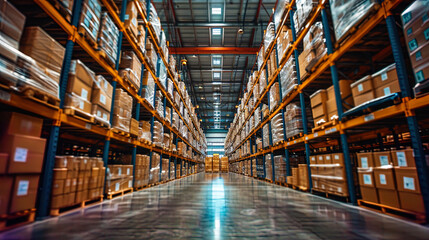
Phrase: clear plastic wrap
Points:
(257, 116)
(293, 119)
(268, 167)
(265, 111)
(261, 57)
(167, 114)
(288, 77)
(11, 24)
(90, 19)
(145, 133)
(172, 171)
(279, 12)
(170, 88)
(314, 49)
(162, 75)
(122, 110)
(266, 135)
(77, 103)
(277, 128)
(164, 172)
(270, 34)
(159, 103)
(172, 62)
(158, 134)
(154, 170)
(131, 16)
(262, 82)
(131, 68)
(303, 11)
(345, 14)
(108, 37)
(155, 21)
(175, 122)
(274, 96)
(280, 168)
(148, 87)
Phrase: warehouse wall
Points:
(215, 141)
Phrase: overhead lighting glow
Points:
(216, 75)
(200, 87)
(216, 31)
(216, 11)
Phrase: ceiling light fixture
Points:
(216, 31)
(216, 11)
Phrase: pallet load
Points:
(120, 179)
(122, 111)
(102, 92)
(268, 167)
(21, 161)
(328, 174)
(172, 171)
(224, 164)
(165, 163)
(280, 169)
(209, 164)
(108, 37)
(154, 170)
(131, 68)
(142, 170)
(415, 33)
(216, 163)
(131, 15)
(76, 180)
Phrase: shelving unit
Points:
(344, 135)
(63, 126)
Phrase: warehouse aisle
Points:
(207, 206)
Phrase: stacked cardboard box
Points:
(120, 178)
(295, 177)
(303, 176)
(314, 49)
(324, 106)
(293, 118)
(280, 168)
(266, 135)
(288, 76)
(79, 88)
(216, 163)
(374, 86)
(154, 170)
(131, 15)
(159, 103)
(165, 163)
(209, 164)
(145, 133)
(303, 10)
(172, 171)
(122, 110)
(274, 96)
(268, 167)
(142, 170)
(284, 41)
(21, 160)
(131, 68)
(415, 27)
(89, 22)
(254, 168)
(181, 148)
(328, 173)
(224, 164)
(76, 179)
(102, 92)
(148, 91)
(277, 128)
(151, 54)
(108, 37)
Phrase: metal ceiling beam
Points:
(213, 25)
(214, 50)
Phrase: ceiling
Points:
(215, 81)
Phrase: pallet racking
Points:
(346, 134)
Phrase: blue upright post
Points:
(169, 167)
(44, 196)
(416, 141)
(251, 152)
(343, 136)
(302, 104)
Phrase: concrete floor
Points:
(220, 206)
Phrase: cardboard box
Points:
(134, 127)
(5, 191)
(338, 158)
(79, 88)
(366, 177)
(382, 158)
(365, 160)
(100, 98)
(67, 185)
(385, 76)
(362, 90)
(407, 179)
(83, 73)
(389, 197)
(384, 178)
(61, 162)
(85, 183)
(79, 197)
(327, 159)
(131, 18)
(22, 124)
(313, 160)
(320, 159)
(420, 56)
(57, 187)
(79, 184)
(60, 173)
(411, 202)
(403, 158)
(13, 21)
(102, 84)
(346, 98)
(369, 194)
(26, 153)
(4, 158)
(57, 201)
(73, 186)
(92, 182)
(76, 102)
(24, 193)
(387, 89)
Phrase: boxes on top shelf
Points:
(131, 68)
(13, 22)
(303, 10)
(108, 37)
(131, 14)
(89, 22)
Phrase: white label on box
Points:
(102, 99)
(128, 171)
(367, 179)
(105, 116)
(386, 91)
(360, 87)
(402, 159)
(364, 162)
(84, 94)
(20, 154)
(384, 160)
(98, 113)
(130, 183)
(340, 189)
(117, 186)
(409, 183)
(316, 134)
(328, 157)
(321, 158)
(337, 157)
(127, 17)
(383, 179)
(119, 171)
(23, 188)
(106, 85)
(383, 76)
(369, 117)
(88, 126)
(81, 104)
(68, 182)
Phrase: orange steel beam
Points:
(214, 50)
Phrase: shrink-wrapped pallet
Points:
(108, 37)
(131, 68)
(274, 96)
(277, 128)
(158, 133)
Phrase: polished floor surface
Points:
(220, 206)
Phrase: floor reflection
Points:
(220, 206)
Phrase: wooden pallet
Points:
(120, 132)
(9, 221)
(82, 31)
(86, 203)
(133, 37)
(40, 97)
(104, 55)
(279, 143)
(130, 83)
(299, 135)
(119, 193)
(325, 125)
(392, 211)
(66, 13)
(101, 122)
(79, 114)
